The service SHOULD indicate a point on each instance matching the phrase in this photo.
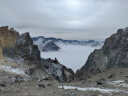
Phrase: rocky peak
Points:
(20, 49)
(25, 51)
(24, 40)
(113, 54)
(48, 46)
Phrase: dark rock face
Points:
(114, 53)
(50, 46)
(25, 51)
(8, 51)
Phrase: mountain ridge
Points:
(92, 43)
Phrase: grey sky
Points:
(67, 19)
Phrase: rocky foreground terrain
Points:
(15, 82)
(24, 73)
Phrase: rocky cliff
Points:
(7, 40)
(25, 51)
(113, 54)
(20, 49)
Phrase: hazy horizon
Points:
(66, 19)
(71, 39)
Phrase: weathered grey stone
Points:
(101, 81)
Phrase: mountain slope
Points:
(113, 54)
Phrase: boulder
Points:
(41, 85)
(2, 85)
(101, 81)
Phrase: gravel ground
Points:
(115, 79)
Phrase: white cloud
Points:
(91, 19)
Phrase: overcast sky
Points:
(67, 19)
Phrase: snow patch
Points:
(106, 59)
(39, 41)
(18, 71)
(118, 83)
(30, 49)
(91, 89)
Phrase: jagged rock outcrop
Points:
(113, 54)
(60, 72)
(25, 51)
(20, 49)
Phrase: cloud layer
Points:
(67, 19)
